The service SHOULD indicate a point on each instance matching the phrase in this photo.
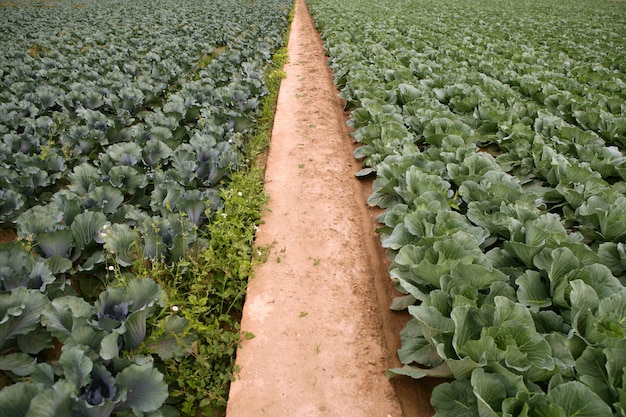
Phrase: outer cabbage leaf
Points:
(127, 179)
(18, 363)
(104, 198)
(52, 402)
(59, 243)
(591, 368)
(65, 315)
(575, 399)
(86, 227)
(532, 292)
(558, 263)
(20, 312)
(415, 347)
(455, 399)
(11, 204)
(440, 371)
(84, 179)
(607, 215)
(18, 268)
(122, 242)
(122, 312)
(76, 366)
(613, 255)
(417, 182)
(155, 151)
(436, 327)
(38, 220)
(472, 168)
(141, 388)
(15, 399)
(469, 338)
(477, 276)
(98, 394)
(491, 389)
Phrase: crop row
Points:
(119, 123)
(497, 133)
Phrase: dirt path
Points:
(318, 306)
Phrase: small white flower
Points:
(111, 268)
(240, 194)
(174, 309)
(102, 233)
(224, 215)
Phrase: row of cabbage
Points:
(497, 133)
(119, 121)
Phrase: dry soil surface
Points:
(324, 335)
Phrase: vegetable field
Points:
(497, 134)
(123, 128)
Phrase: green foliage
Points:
(123, 154)
(208, 289)
(499, 160)
(97, 371)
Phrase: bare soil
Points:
(324, 334)
(7, 235)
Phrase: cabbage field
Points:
(122, 124)
(497, 134)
